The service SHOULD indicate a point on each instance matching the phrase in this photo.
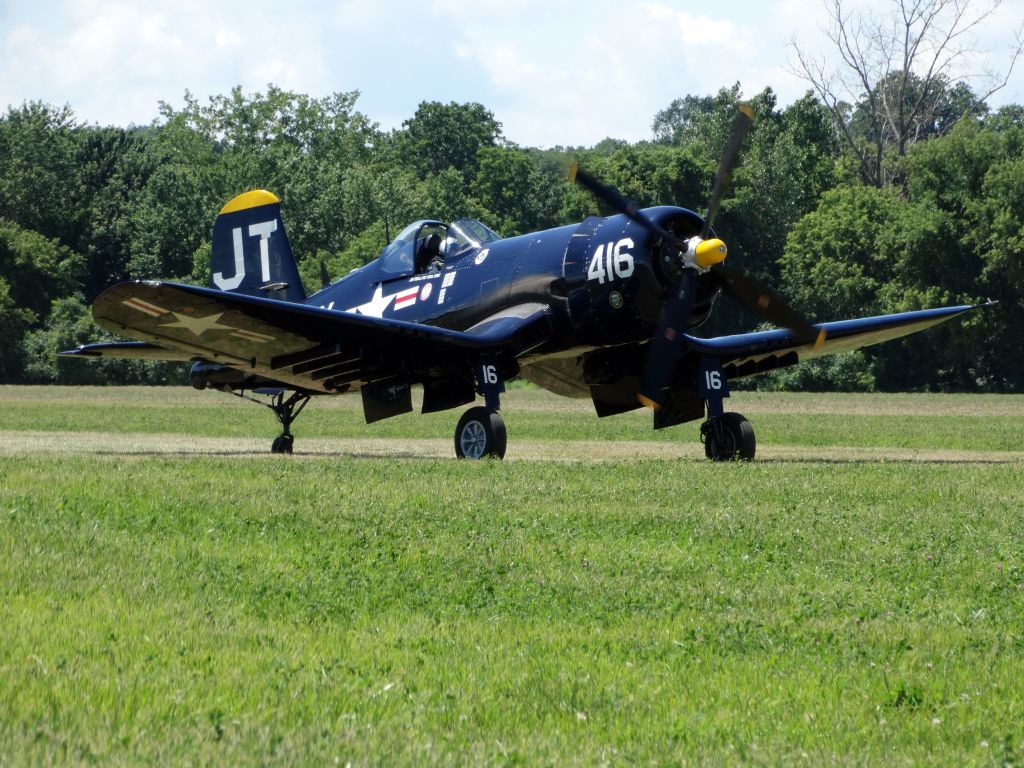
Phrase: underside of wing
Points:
(749, 353)
(301, 346)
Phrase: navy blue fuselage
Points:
(599, 279)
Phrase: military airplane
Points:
(598, 309)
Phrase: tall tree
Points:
(898, 73)
(297, 146)
(34, 270)
(441, 136)
(39, 176)
(512, 187)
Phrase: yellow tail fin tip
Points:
(252, 199)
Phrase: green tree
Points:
(970, 180)
(115, 166)
(790, 163)
(901, 78)
(444, 196)
(867, 251)
(704, 123)
(15, 320)
(440, 136)
(834, 265)
(298, 147)
(514, 189)
(37, 269)
(34, 270)
(40, 185)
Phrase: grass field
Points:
(170, 593)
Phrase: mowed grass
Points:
(180, 609)
(949, 422)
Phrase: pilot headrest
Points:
(432, 244)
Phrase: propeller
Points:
(699, 254)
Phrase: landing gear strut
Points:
(726, 436)
(286, 409)
(481, 430)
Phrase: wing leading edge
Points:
(748, 353)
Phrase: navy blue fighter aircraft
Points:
(595, 310)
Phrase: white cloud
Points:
(113, 62)
(553, 71)
(605, 74)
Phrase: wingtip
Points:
(574, 168)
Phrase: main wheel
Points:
(738, 442)
(282, 444)
(480, 434)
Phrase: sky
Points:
(553, 72)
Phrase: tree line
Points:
(84, 206)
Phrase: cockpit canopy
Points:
(427, 245)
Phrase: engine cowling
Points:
(617, 273)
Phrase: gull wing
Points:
(748, 353)
(298, 345)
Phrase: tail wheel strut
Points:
(287, 410)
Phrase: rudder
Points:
(251, 253)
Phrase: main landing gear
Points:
(480, 433)
(730, 437)
(726, 436)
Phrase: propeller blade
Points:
(614, 199)
(664, 345)
(761, 299)
(741, 124)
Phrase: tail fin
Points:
(251, 253)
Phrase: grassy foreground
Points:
(181, 609)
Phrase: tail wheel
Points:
(480, 434)
(736, 442)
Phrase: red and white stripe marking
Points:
(406, 298)
(260, 338)
(144, 306)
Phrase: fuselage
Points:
(600, 280)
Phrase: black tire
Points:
(480, 435)
(282, 444)
(739, 443)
